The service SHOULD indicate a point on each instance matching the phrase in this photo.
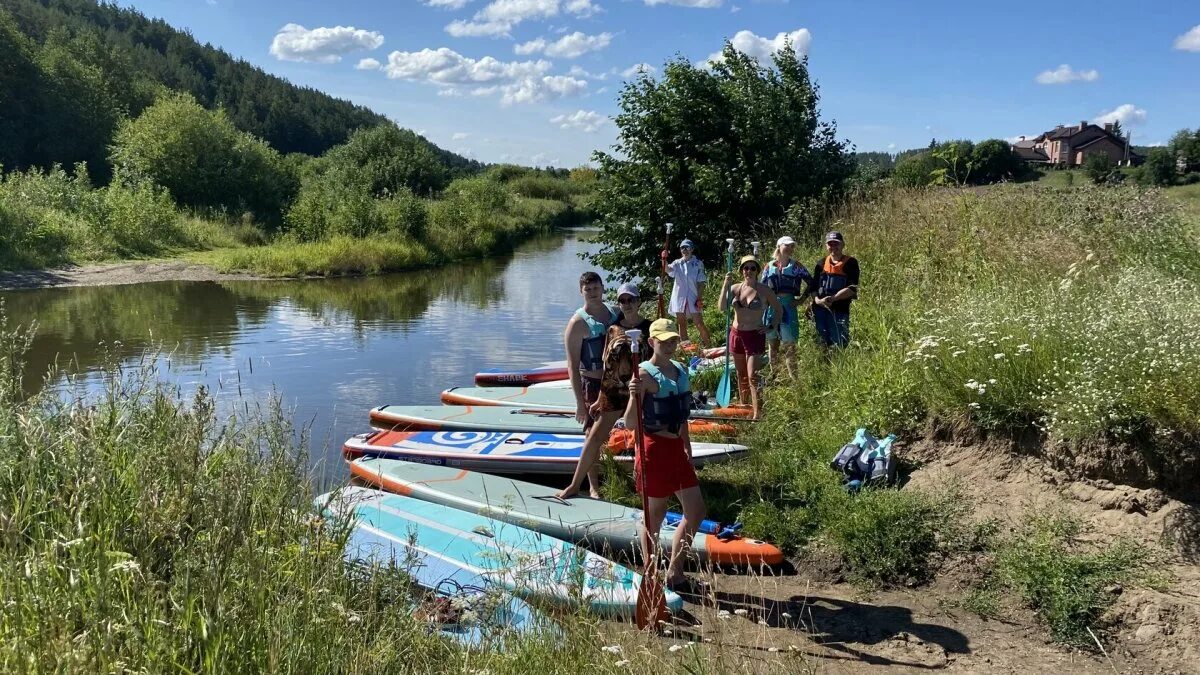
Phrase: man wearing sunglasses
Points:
(836, 281)
(688, 291)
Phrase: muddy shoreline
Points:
(115, 274)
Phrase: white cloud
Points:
(1126, 114)
(445, 66)
(638, 68)
(703, 4)
(532, 47)
(1189, 41)
(368, 64)
(446, 4)
(294, 42)
(568, 46)
(587, 121)
(734, 9)
(891, 146)
(543, 159)
(582, 8)
(578, 71)
(458, 75)
(460, 136)
(500, 16)
(761, 48)
(1065, 73)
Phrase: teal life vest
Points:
(669, 408)
(591, 352)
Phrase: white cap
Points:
(784, 241)
(629, 288)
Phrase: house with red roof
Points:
(1070, 146)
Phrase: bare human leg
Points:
(693, 513)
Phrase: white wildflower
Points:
(674, 648)
(998, 356)
(622, 663)
(740, 612)
(611, 649)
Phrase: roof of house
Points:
(1030, 153)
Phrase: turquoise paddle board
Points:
(470, 550)
(602, 526)
(550, 400)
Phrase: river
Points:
(330, 348)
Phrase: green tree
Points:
(1099, 167)
(203, 160)
(1117, 130)
(993, 161)
(1185, 146)
(955, 164)
(387, 159)
(716, 151)
(1158, 169)
(915, 170)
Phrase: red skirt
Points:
(670, 468)
(748, 342)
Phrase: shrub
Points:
(914, 171)
(1058, 577)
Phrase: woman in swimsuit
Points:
(748, 338)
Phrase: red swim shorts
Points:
(670, 468)
(748, 342)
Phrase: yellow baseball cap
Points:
(662, 330)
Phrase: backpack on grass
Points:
(866, 460)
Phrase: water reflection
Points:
(331, 348)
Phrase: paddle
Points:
(723, 386)
(652, 598)
(662, 275)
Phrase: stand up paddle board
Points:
(498, 418)
(601, 526)
(501, 452)
(556, 371)
(539, 399)
(475, 551)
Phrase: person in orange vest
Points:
(836, 281)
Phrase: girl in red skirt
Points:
(666, 405)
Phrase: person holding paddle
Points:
(663, 466)
(750, 300)
(584, 339)
(613, 396)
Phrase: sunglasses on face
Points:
(626, 301)
(685, 248)
(750, 268)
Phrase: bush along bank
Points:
(1071, 313)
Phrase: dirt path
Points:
(802, 623)
(113, 274)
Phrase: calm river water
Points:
(332, 349)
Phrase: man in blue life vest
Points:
(836, 281)
(584, 340)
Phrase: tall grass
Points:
(1074, 311)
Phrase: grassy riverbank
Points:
(57, 218)
(1069, 316)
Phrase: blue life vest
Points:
(591, 353)
(788, 281)
(669, 408)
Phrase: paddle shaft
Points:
(723, 387)
(662, 275)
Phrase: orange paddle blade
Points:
(651, 603)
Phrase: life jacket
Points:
(866, 460)
(833, 277)
(787, 281)
(591, 352)
(669, 408)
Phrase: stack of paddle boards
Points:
(502, 452)
(467, 550)
(601, 526)
(539, 399)
(503, 418)
(553, 372)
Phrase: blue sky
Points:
(536, 81)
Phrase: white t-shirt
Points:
(687, 273)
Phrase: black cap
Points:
(834, 236)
